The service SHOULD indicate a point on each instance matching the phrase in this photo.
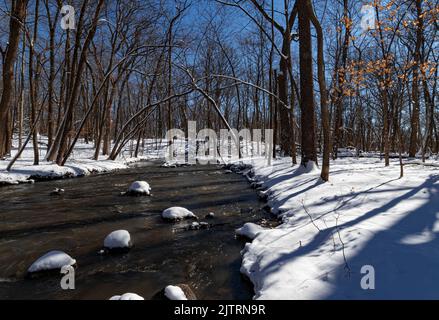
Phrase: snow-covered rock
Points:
(178, 213)
(174, 293)
(57, 192)
(210, 215)
(126, 297)
(119, 239)
(249, 230)
(198, 225)
(52, 260)
(141, 188)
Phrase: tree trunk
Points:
(323, 94)
(341, 78)
(306, 86)
(414, 123)
(18, 14)
(33, 86)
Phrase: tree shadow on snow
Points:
(405, 256)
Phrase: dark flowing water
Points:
(32, 223)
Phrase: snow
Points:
(140, 187)
(210, 215)
(80, 163)
(365, 216)
(249, 230)
(177, 213)
(51, 261)
(119, 239)
(126, 297)
(175, 293)
(311, 167)
(195, 225)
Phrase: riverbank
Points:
(332, 233)
(79, 165)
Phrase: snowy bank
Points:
(80, 164)
(365, 221)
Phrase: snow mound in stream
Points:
(175, 293)
(140, 188)
(126, 297)
(178, 213)
(51, 261)
(119, 239)
(249, 230)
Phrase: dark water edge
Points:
(33, 222)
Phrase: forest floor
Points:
(364, 235)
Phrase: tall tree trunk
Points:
(50, 118)
(18, 14)
(282, 79)
(22, 96)
(309, 152)
(323, 94)
(341, 78)
(414, 123)
(33, 85)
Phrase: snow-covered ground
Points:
(80, 163)
(365, 219)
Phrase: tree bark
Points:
(323, 94)
(414, 123)
(18, 14)
(309, 152)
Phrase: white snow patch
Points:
(250, 230)
(140, 187)
(425, 236)
(51, 261)
(174, 293)
(311, 167)
(127, 297)
(177, 213)
(119, 239)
